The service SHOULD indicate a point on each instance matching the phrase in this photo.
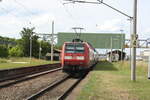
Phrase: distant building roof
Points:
(56, 52)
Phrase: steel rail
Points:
(55, 84)
(68, 91)
(51, 86)
(29, 77)
(11, 74)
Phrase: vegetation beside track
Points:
(22, 62)
(111, 81)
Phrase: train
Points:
(77, 57)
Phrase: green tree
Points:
(3, 51)
(15, 52)
(27, 34)
(7, 41)
(58, 47)
(46, 47)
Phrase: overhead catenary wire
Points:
(32, 14)
(6, 15)
(69, 13)
(27, 9)
(11, 12)
(66, 10)
(23, 6)
(8, 12)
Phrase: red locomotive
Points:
(78, 57)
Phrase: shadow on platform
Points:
(105, 66)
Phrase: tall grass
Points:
(111, 81)
(21, 62)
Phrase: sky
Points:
(95, 18)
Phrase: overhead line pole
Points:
(111, 49)
(40, 50)
(134, 42)
(30, 47)
(121, 45)
(52, 40)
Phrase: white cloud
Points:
(40, 13)
(145, 34)
(110, 25)
(10, 26)
(16, 15)
(147, 30)
(42, 19)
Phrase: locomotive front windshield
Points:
(74, 48)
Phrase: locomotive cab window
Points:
(74, 48)
(79, 48)
(69, 48)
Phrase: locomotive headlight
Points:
(68, 57)
(80, 57)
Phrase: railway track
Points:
(54, 86)
(68, 91)
(15, 80)
(24, 89)
(11, 74)
(48, 88)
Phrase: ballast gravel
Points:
(21, 91)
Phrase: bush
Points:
(3, 61)
(15, 52)
(3, 51)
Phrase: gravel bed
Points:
(56, 92)
(22, 90)
(76, 92)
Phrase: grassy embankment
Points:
(111, 81)
(21, 62)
